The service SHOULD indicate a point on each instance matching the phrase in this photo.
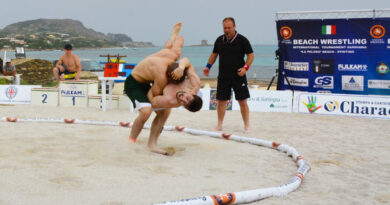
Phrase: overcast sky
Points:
(151, 20)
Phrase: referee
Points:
(231, 48)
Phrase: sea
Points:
(262, 69)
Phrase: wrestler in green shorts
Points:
(137, 92)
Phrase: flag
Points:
(328, 29)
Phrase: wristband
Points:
(246, 67)
(209, 66)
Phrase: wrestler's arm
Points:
(183, 63)
(194, 80)
(161, 101)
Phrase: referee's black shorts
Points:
(239, 85)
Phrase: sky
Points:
(152, 20)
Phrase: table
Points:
(110, 81)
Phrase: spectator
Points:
(9, 69)
(68, 67)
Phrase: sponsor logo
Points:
(300, 82)
(377, 31)
(353, 82)
(382, 68)
(379, 84)
(328, 30)
(224, 199)
(73, 91)
(11, 92)
(365, 108)
(352, 67)
(311, 104)
(286, 32)
(331, 106)
(323, 66)
(296, 66)
(325, 82)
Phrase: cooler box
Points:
(73, 93)
(96, 101)
(111, 70)
(47, 97)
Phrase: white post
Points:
(5, 58)
(110, 83)
(104, 95)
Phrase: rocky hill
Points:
(54, 33)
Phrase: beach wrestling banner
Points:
(350, 56)
(16, 94)
(341, 104)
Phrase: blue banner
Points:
(336, 55)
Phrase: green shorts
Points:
(137, 92)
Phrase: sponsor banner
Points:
(16, 94)
(334, 47)
(268, 101)
(379, 84)
(352, 82)
(349, 105)
(300, 82)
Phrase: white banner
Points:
(16, 94)
(268, 101)
(350, 105)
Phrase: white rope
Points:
(221, 199)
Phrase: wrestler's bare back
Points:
(154, 67)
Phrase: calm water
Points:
(263, 67)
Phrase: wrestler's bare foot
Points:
(247, 130)
(157, 150)
(133, 139)
(176, 29)
(218, 128)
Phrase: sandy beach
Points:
(46, 163)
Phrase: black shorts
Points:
(239, 85)
(137, 92)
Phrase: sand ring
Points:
(221, 199)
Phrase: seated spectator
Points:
(9, 69)
(68, 67)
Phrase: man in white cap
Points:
(9, 69)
